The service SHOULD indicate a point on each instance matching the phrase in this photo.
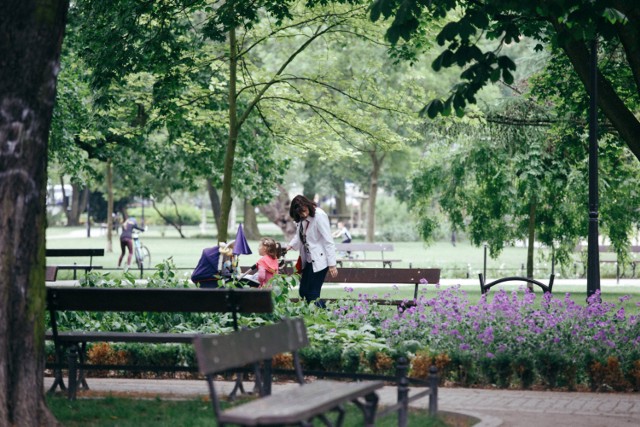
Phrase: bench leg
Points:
(403, 392)
(237, 387)
(81, 372)
(73, 371)
(369, 409)
(57, 372)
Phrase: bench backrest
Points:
(218, 353)
(159, 300)
(380, 247)
(385, 275)
(74, 252)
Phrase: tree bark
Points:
(373, 192)
(278, 212)
(230, 153)
(623, 119)
(175, 224)
(532, 240)
(215, 204)
(31, 35)
(250, 225)
(109, 207)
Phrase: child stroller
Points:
(213, 268)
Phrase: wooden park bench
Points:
(297, 405)
(391, 276)
(62, 299)
(76, 253)
(346, 252)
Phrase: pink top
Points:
(267, 267)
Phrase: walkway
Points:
(507, 408)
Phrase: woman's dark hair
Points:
(297, 204)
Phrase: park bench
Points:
(346, 252)
(63, 299)
(51, 273)
(76, 253)
(484, 287)
(297, 405)
(634, 249)
(392, 276)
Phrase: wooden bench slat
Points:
(74, 252)
(220, 352)
(159, 300)
(151, 337)
(299, 403)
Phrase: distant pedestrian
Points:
(344, 232)
(126, 239)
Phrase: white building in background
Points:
(54, 194)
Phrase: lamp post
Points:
(593, 255)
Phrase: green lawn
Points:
(120, 412)
(164, 242)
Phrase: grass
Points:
(124, 412)
(455, 262)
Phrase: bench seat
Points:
(298, 403)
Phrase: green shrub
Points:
(330, 358)
(523, 369)
(351, 360)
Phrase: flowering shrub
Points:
(511, 338)
(507, 339)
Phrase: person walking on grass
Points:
(314, 242)
(126, 239)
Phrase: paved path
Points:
(493, 407)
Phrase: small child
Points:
(268, 262)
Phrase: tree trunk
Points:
(278, 212)
(373, 192)
(341, 197)
(30, 38)
(251, 230)
(532, 240)
(109, 207)
(232, 142)
(622, 118)
(175, 224)
(215, 204)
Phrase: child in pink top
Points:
(268, 262)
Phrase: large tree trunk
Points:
(230, 153)
(251, 230)
(278, 212)
(30, 38)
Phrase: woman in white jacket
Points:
(314, 241)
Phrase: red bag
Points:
(299, 265)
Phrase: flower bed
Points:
(509, 339)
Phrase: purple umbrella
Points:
(241, 246)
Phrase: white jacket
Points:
(322, 250)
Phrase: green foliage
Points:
(394, 222)
(568, 27)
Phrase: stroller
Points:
(214, 267)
